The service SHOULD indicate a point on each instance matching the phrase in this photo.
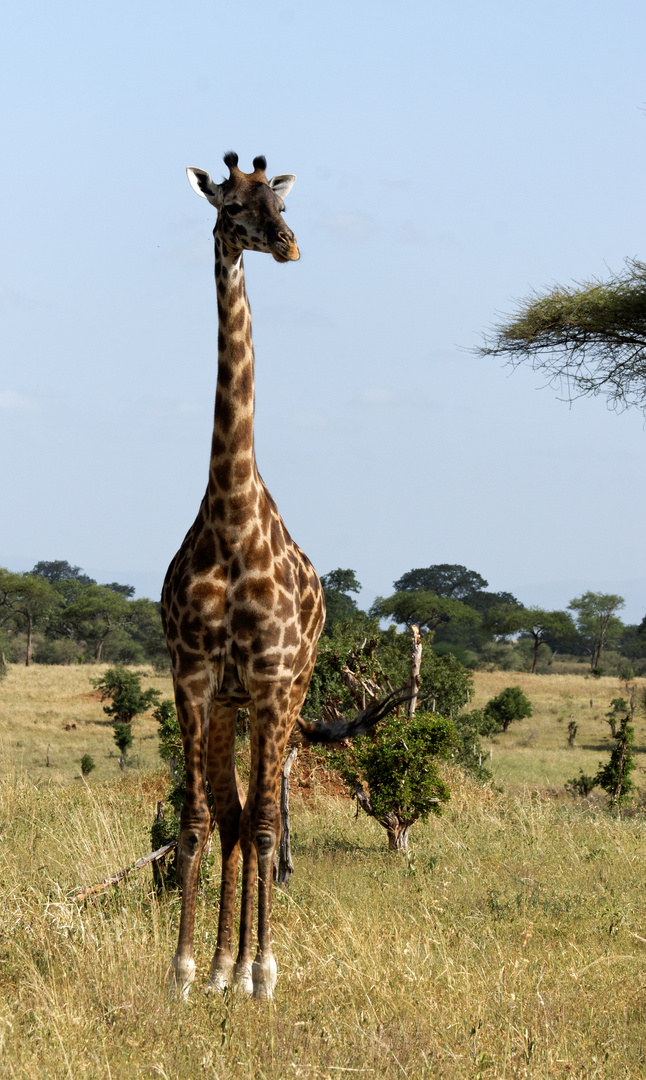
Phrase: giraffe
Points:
(242, 608)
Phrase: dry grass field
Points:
(534, 753)
(39, 705)
(57, 707)
(510, 944)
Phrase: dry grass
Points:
(535, 752)
(39, 705)
(511, 944)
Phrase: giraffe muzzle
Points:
(286, 253)
(285, 249)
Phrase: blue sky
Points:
(450, 158)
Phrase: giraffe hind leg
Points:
(228, 796)
(260, 825)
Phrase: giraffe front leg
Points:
(242, 979)
(195, 827)
(194, 832)
(260, 823)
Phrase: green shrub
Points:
(398, 765)
(88, 764)
(58, 651)
(123, 737)
(123, 690)
(470, 727)
(511, 704)
(615, 776)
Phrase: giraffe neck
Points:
(233, 476)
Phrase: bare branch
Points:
(118, 876)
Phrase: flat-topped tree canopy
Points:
(589, 339)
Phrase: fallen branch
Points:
(120, 874)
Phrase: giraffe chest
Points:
(243, 615)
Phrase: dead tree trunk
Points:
(415, 665)
(283, 865)
(30, 639)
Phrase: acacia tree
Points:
(424, 609)
(510, 704)
(533, 621)
(588, 339)
(393, 773)
(59, 570)
(337, 586)
(100, 610)
(122, 689)
(26, 599)
(443, 579)
(398, 765)
(597, 622)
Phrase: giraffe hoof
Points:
(242, 979)
(182, 974)
(218, 982)
(220, 978)
(265, 974)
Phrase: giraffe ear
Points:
(202, 184)
(282, 185)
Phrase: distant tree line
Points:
(56, 614)
(459, 616)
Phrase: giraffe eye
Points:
(234, 208)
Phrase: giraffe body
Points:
(242, 609)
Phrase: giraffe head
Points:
(250, 208)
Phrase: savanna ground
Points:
(511, 943)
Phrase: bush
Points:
(121, 649)
(582, 784)
(123, 689)
(497, 655)
(123, 737)
(396, 763)
(59, 651)
(615, 776)
(171, 751)
(88, 764)
(508, 706)
(470, 728)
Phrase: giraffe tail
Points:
(338, 730)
